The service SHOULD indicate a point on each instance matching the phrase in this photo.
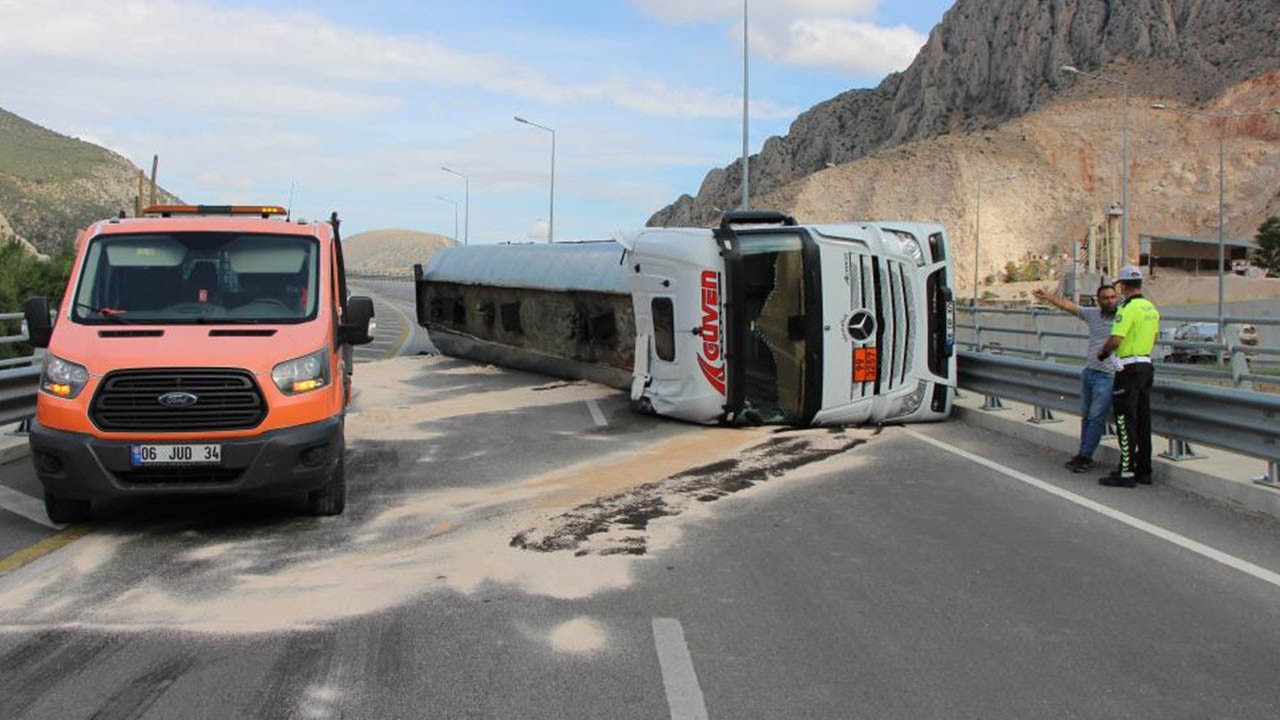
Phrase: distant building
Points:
(1194, 254)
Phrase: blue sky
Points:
(359, 105)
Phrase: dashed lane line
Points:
(1186, 543)
(596, 414)
(20, 503)
(684, 695)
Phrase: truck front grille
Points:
(129, 401)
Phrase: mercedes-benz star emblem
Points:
(177, 399)
(861, 325)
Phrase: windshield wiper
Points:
(112, 314)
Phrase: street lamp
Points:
(746, 170)
(1124, 156)
(466, 221)
(1221, 119)
(551, 222)
(977, 234)
(455, 214)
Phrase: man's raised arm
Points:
(1055, 299)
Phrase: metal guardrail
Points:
(18, 394)
(1235, 420)
(18, 376)
(1238, 369)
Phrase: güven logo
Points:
(709, 360)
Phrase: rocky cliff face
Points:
(992, 60)
(52, 185)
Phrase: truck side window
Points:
(664, 328)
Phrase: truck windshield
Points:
(177, 278)
(772, 287)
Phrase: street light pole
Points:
(1221, 119)
(455, 215)
(746, 170)
(466, 223)
(551, 222)
(977, 233)
(1124, 155)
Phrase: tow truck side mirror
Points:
(36, 313)
(358, 328)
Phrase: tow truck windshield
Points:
(190, 278)
(771, 284)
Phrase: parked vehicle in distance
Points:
(198, 350)
(1204, 332)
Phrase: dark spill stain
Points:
(706, 483)
(135, 699)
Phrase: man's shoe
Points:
(1115, 480)
(1076, 460)
(1142, 479)
(1084, 466)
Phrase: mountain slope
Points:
(391, 252)
(52, 185)
(992, 60)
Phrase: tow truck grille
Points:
(129, 400)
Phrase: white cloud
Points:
(269, 63)
(832, 34)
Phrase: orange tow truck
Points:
(198, 350)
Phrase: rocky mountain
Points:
(52, 185)
(1064, 170)
(990, 61)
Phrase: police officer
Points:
(1133, 335)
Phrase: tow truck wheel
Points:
(65, 510)
(332, 498)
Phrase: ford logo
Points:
(177, 399)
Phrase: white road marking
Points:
(596, 414)
(20, 503)
(1230, 561)
(684, 695)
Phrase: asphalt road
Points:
(398, 332)
(522, 548)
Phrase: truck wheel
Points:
(65, 510)
(332, 498)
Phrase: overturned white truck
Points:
(758, 321)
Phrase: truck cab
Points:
(200, 350)
(765, 321)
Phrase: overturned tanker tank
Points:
(760, 320)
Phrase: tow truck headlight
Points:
(62, 378)
(309, 372)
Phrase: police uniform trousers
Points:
(1132, 408)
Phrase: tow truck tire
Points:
(65, 510)
(332, 498)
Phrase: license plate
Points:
(951, 323)
(866, 364)
(175, 455)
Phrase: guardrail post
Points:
(993, 404)
(1044, 416)
(1272, 478)
(1038, 325)
(23, 428)
(1180, 450)
(977, 330)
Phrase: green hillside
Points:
(52, 185)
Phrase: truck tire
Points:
(65, 510)
(332, 498)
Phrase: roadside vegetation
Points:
(1268, 237)
(24, 275)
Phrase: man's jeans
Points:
(1095, 391)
